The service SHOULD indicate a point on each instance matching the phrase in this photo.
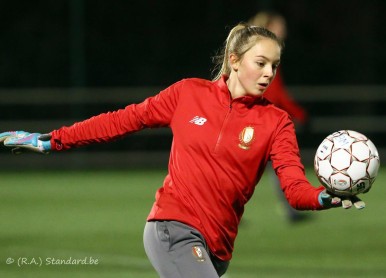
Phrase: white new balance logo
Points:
(198, 120)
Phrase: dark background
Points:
(118, 43)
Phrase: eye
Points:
(260, 64)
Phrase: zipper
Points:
(224, 123)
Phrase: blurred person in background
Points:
(224, 134)
(278, 94)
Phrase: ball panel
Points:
(361, 186)
(357, 135)
(360, 151)
(373, 149)
(373, 167)
(343, 141)
(324, 149)
(340, 181)
(316, 164)
(340, 159)
(356, 170)
(325, 169)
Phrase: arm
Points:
(298, 191)
(155, 111)
(286, 162)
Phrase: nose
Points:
(269, 71)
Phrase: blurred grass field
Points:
(101, 215)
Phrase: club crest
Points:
(198, 254)
(247, 135)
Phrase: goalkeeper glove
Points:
(21, 141)
(329, 200)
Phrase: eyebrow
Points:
(262, 56)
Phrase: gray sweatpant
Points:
(177, 250)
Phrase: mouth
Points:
(262, 86)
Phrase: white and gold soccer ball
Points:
(347, 163)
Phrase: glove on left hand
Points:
(21, 141)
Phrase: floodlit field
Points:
(50, 219)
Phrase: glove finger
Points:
(11, 141)
(358, 203)
(335, 201)
(327, 200)
(19, 140)
(5, 135)
(346, 203)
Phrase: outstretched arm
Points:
(153, 112)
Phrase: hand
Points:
(21, 141)
(330, 200)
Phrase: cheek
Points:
(251, 71)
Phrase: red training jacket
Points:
(219, 151)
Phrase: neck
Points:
(234, 86)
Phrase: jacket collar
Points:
(227, 98)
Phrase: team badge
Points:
(246, 137)
(198, 254)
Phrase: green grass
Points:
(101, 214)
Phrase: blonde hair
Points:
(240, 39)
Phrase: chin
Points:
(257, 93)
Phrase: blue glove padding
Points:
(20, 141)
(329, 200)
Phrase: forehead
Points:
(265, 47)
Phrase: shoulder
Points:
(196, 82)
(272, 109)
(193, 85)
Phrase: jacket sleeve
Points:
(156, 111)
(286, 162)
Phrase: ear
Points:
(234, 61)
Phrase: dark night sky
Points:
(99, 43)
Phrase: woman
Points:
(224, 133)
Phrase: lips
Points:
(263, 85)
